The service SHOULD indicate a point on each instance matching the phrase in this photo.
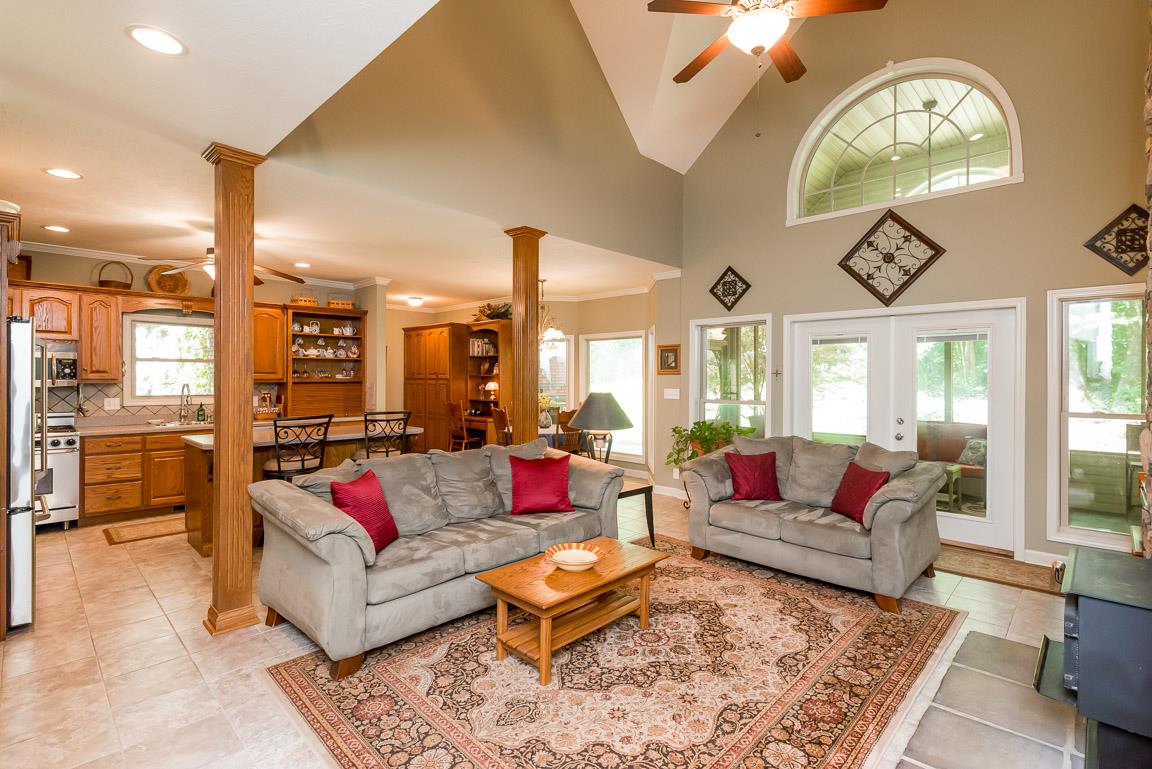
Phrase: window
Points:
(556, 372)
(735, 374)
(840, 389)
(615, 364)
(162, 354)
(904, 134)
(1101, 347)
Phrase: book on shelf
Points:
(479, 347)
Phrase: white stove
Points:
(63, 462)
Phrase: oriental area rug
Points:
(740, 667)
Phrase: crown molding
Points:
(406, 308)
(667, 275)
(370, 282)
(217, 152)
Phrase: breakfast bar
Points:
(344, 438)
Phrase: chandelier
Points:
(549, 332)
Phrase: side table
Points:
(646, 490)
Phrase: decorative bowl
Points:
(574, 556)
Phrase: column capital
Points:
(521, 232)
(217, 152)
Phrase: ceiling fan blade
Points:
(703, 60)
(787, 62)
(186, 267)
(806, 8)
(278, 274)
(172, 259)
(688, 6)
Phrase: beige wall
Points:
(1083, 160)
(499, 109)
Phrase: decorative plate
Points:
(167, 284)
(890, 257)
(1124, 242)
(730, 288)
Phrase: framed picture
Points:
(667, 359)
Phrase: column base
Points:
(218, 622)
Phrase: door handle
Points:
(899, 436)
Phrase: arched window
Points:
(925, 128)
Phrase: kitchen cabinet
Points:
(164, 478)
(56, 312)
(15, 306)
(435, 373)
(101, 359)
(124, 475)
(268, 337)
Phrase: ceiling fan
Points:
(208, 264)
(758, 27)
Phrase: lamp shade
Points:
(600, 414)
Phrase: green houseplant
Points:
(701, 438)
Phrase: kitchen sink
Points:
(177, 423)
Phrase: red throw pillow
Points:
(540, 485)
(364, 501)
(857, 486)
(754, 476)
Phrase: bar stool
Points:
(300, 444)
(385, 434)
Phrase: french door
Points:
(941, 384)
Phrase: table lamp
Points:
(599, 415)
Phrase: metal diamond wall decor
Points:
(1124, 241)
(890, 257)
(730, 288)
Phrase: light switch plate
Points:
(676, 473)
(111, 404)
(671, 393)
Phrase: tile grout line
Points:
(1005, 729)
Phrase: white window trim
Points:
(1058, 530)
(894, 71)
(128, 397)
(584, 387)
(570, 384)
(696, 353)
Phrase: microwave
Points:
(59, 363)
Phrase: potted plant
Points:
(703, 437)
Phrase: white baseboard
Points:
(634, 473)
(1040, 558)
(670, 491)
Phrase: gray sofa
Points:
(320, 571)
(897, 541)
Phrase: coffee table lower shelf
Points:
(525, 640)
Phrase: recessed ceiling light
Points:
(975, 137)
(63, 173)
(415, 301)
(302, 265)
(56, 228)
(156, 40)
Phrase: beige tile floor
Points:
(119, 673)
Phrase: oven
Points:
(63, 456)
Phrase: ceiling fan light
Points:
(759, 29)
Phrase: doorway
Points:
(944, 383)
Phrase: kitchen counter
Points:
(345, 429)
(143, 428)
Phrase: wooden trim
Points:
(524, 416)
(216, 152)
(980, 548)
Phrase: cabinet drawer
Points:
(169, 442)
(113, 467)
(113, 444)
(112, 498)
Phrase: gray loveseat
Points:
(320, 571)
(897, 541)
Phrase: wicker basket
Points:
(305, 297)
(341, 302)
(108, 282)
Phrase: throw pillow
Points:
(975, 452)
(816, 470)
(753, 476)
(781, 447)
(363, 500)
(857, 486)
(499, 455)
(540, 485)
(878, 458)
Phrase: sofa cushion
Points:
(821, 529)
(892, 462)
(466, 483)
(816, 471)
(488, 543)
(554, 528)
(539, 485)
(753, 475)
(713, 470)
(783, 449)
(320, 482)
(412, 564)
(758, 518)
(409, 484)
(502, 471)
(363, 499)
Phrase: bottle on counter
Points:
(201, 414)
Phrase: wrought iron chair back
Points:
(385, 433)
(300, 442)
(501, 426)
(568, 439)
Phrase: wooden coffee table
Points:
(565, 605)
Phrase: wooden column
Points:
(525, 332)
(9, 232)
(232, 524)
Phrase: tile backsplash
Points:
(66, 399)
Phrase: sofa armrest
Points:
(309, 519)
(906, 493)
(700, 504)
(712, 469)
(588, 480)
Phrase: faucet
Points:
(185, 403)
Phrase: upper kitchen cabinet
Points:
(100, 338)
(56, 312)
(14, 306)
(269, 332)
